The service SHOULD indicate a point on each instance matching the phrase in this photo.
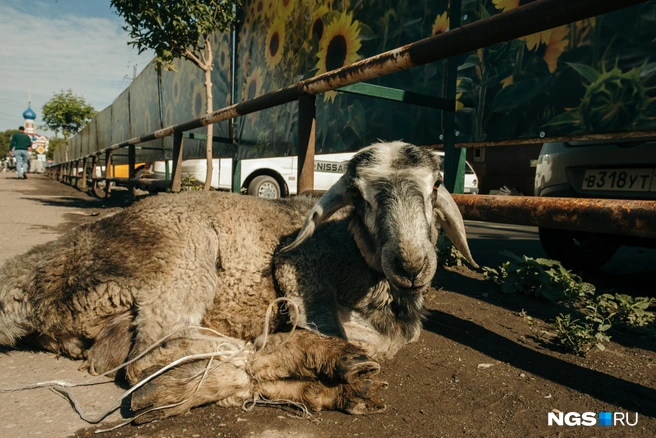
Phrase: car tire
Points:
(97, 189)
(576, 249)
(264, 186)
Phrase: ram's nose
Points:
(411, 269)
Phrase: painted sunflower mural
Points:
(596, 75)
(338, 46)
(534, 87)
(274, 45)
(441, 24)
(304, 38)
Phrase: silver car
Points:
(599, 169)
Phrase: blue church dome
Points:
(29, 114)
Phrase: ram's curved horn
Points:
(452, 223)
(335, 198)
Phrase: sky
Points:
(47, 46)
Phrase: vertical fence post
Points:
(176, 176)
(83, 183)
(94, 162)
(454, 159)
(108, 171)
(236, 173)
(306, 136)
(132, 160)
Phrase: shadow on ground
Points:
(599, 385)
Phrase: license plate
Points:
(631, 180)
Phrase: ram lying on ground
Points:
(109, 290)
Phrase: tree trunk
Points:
(210, 128)
(65, 148)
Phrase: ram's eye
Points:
(433, 196)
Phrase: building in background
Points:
(39, 142)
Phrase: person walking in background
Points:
(21, 145)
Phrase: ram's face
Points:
(393, 192)
(397, 194)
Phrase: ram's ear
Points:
(335, 198)
(452, 223)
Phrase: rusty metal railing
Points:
(534, 17)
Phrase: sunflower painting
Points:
(270, 7)
(586, 77)
(503, 90)
(317, 25)
(339, 46)
(556, 46)
(253, 84)
(533, 40)
(441, 24)
(285, 7)
(259, 9)
(274, 43)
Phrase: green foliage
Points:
(55, 143)
(67, 113)
(171, 27)
(189, 183)
(5, 138)
(626, 311)
(613, 101)
(591, 316)
(559, 81)
(447, 254)
(578, 336)
(538, 277)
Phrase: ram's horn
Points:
(335, 198)
(452, 223)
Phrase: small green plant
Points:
(627, 311)
(578, 336)
(447, 254)
(592, 315)
(538, 277)
(190, 183)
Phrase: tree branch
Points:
(192, 57)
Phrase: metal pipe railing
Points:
(609, 216)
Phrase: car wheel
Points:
(264, 186)
(97, 189)
(576, 249)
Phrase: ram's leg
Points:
(306, 354)
(319, 371)
(357, 398)
(223, 379)
(169, 309)
(111, 346)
